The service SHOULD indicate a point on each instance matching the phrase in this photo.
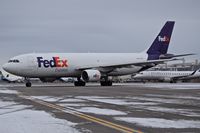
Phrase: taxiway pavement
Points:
(128, 107)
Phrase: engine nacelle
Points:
(91, 75)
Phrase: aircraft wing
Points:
(145, 63)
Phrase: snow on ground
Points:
(181, 86)
(147, 103)
(160, 123)
(56, 99)
(111, 100)
(185, 112)
(80, 103)
(47, 98)
(174, 96)
(8, 107)
(72, 100)
(160, 100)
(77, 105)
(6, 91)
(18, 119)
(90, 109)
(100, 111)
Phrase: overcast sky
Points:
(95, 25)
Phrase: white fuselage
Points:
(70, 64)
(166, 75)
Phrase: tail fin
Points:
(161, 42)
(195, 71)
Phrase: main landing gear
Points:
(105, 82)
(79, 82)
(173, 81)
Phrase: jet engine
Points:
(91, 75)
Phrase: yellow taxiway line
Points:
(72, 111)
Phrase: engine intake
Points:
(91, 75)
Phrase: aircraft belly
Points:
(124, 71)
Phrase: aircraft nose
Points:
(8, 67)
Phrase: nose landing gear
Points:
(28, 83)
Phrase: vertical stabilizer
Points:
(161, 43)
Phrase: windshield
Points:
(14, 61)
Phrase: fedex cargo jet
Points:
(91, 66)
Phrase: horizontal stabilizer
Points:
(169, 56)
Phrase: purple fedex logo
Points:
(163, 39)
(54, 62)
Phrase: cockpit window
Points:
(14, 61)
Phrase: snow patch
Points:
(100, 111)
(114, 101)
(181, 86)
(47, 98)
(57, 99)
(16, 118)
(6, 91)
(160, 123)
(185, 112)
(72, 100)
(159, 100)
(76, 104)
(175, 96)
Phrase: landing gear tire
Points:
(28, 84)
(106, 83)
(79, 83)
